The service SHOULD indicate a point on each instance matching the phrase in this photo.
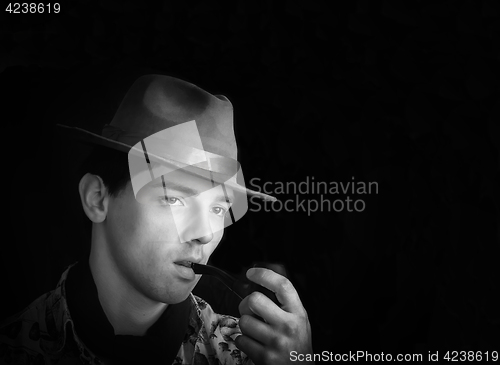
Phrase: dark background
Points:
(404, 93)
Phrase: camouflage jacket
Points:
(44, 333)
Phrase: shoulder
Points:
(20, 334)
(37, 331)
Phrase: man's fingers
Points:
(243, 308)
(252, 348)
(257, 304)
(281, 286)
(255, 328)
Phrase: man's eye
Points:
(170, 201)
(219, 211)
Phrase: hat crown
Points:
(203, 142)
(157, 102)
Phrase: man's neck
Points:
(128, 311)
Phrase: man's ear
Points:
(94, 197)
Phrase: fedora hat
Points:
(173, 124)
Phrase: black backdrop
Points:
(397, 92)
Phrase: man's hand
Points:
(286, 329)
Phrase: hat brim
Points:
(95, 139)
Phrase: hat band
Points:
(161, 150)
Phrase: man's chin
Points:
(173, 292)
(174, 299)
(179, 300)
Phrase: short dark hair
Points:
(110, 165)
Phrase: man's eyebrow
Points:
(188, 191)
(224, 199)
(173, 186)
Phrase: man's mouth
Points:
(184, 263)
(185, 270)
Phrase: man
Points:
(161, 187)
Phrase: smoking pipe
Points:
(240, 288)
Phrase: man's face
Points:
(152, 237)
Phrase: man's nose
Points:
(204, 239)
(199, 229)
